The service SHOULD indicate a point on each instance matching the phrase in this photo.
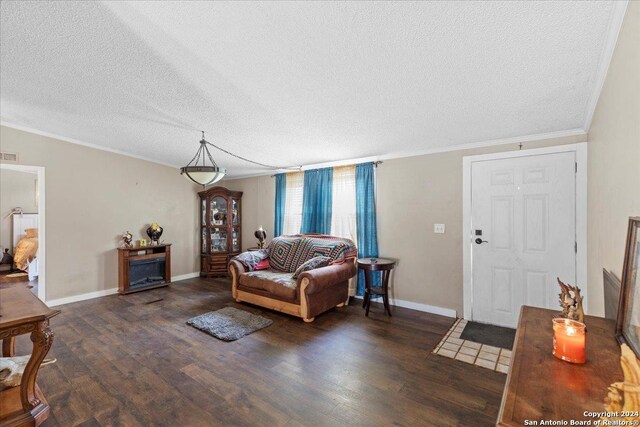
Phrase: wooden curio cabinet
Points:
(220, 229)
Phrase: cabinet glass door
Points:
(219, 240)
(235, 211)
(218, 211)
(204, 240)
(204, 212)
(235, 240)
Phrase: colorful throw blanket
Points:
(350, 250)
(284, 279)
(252, 258)
(287, 253)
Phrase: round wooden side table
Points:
(376, 264)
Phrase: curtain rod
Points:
(375, 164)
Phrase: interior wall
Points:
(17, 189)
(614, 159)
(416, 192)
(92, 197)
(413, 193)
(258, 206)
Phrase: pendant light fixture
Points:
(199, 172)
(197, 169)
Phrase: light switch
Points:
(438, 228)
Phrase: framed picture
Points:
(628, 319)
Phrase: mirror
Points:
(628, 319)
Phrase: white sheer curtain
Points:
(343, 205)
(343, 208)
(293, 203)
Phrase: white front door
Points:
(523, 226)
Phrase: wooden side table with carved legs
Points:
(376, 264)
(21, 312)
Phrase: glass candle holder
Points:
(569, 340)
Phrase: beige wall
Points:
(92, 196)
(416, 192)
(258, 206)
(614, 158)
(413, 193)
(17, 189)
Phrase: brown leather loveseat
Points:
(309, 293)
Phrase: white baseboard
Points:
(185, 276)
(81, 297)
(97, 294)
(426, 308)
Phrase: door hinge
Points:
(575, 246)
(576, 167)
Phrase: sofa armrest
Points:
(235, 269)
(330, 275)
(239, 267)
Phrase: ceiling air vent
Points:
(9, 157)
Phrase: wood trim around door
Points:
(580, 150)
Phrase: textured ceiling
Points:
(291, 83)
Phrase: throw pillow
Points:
(251, 259)
(315, 262)
(262, 265)
(283, 253)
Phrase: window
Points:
(343, 204)
(346, 182)
(343, 209)
(293, 204)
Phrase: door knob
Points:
(479, 241)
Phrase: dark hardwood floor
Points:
(5, 280)
(131, 360)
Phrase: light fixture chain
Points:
(196, 157)
(251, 161)
(208, 154)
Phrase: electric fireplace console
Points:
(143, 267)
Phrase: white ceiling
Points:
(290, 83)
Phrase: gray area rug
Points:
(496, 336)
(229, 324)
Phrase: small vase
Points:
(154, 235)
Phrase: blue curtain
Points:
(316, 201)
(281, 192)
(366, 221)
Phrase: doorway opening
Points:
(23, 208)
(524, 224)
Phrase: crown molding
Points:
(615, 25)
(82, 143)
(460, 147)
(390, 156)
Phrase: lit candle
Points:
(569, 340)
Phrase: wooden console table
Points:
(21, 312)
(542, 387)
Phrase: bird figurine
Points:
(571, 301)
(261, 235)
(127, 238)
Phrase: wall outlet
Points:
(438, 228)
